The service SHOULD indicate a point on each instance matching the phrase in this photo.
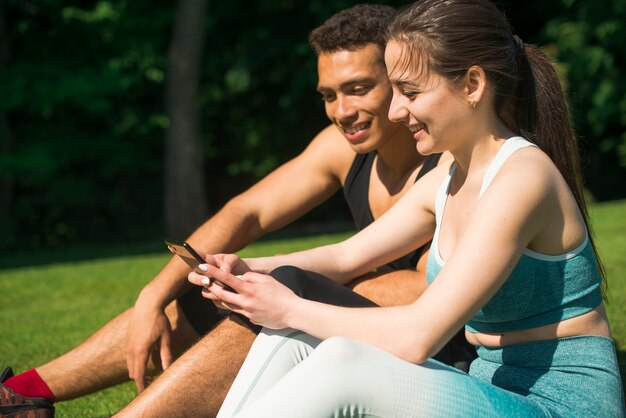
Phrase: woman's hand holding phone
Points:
(205, 276)
(259, 297)
(225, 262)
(231, 263)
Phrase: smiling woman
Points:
(511, 258)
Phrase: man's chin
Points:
(363, 147)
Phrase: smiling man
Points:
(372, 159)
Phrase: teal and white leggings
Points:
(291, 374)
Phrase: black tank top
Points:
(356, 193)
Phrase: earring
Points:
(473, 104)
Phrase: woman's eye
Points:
(409, 94)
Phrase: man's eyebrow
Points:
(349, 83)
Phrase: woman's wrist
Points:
(259, 264)
(294, 312)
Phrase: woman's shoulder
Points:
(531, 166)
(527, 183)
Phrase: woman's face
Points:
(437, 113)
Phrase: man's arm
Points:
(281, 197)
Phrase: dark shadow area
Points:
(332, 216)
(77, 253)
(621, 360)
(15, 259)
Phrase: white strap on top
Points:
(442, 194)
(440, 204)
(511, 145)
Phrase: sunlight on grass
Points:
(610, 230)
(47, 310)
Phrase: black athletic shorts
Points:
(204, 315)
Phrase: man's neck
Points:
(397, 157)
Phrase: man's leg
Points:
(400, 287)
(100, 361)
(196, 384)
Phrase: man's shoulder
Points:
(331, 149)
(331, 137)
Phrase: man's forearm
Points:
(228, 231)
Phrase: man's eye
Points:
(328, 97)
(360, 90)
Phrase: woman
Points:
(512, 255)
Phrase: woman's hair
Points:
(450, 36)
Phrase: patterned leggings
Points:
(291, 374)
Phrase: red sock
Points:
(30, 384)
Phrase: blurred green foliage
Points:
(84, 118)
(82, 90)
(588, 40)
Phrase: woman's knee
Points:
(339, 352)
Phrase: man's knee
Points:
(293, 277)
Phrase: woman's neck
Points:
(474, 153)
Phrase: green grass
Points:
(49, 307)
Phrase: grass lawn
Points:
(48, 307)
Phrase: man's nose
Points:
(345, 110)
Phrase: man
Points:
(375, 162)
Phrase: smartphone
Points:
(186, 252)
(191, 257)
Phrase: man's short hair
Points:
(353, 28)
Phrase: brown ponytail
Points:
(450, 36)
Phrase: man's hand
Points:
(148, 330)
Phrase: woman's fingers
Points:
(195, 278)
(231, 281)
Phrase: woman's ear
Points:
(475, 85)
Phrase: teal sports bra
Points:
(542, 289)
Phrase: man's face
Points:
(357, 93)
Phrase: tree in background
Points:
(185, 192)
(84, 121)
(6, 136)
